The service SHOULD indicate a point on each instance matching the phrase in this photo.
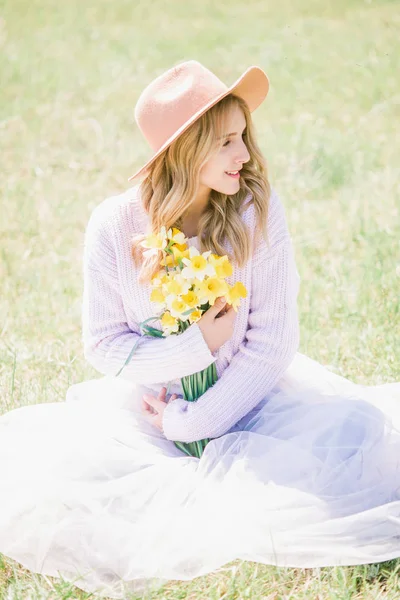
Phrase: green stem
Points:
(194, 386)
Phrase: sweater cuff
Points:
(199, 353)
(172, 416)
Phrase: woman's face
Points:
(230, 158)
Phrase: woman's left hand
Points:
(153, 407)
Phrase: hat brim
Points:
(252, 86)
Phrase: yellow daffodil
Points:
(177, 307)
(197, 265)
(222, 266)
(195, 316)
(155, 242)
(180, 247)
(169, 323)
(178, 251)
(210, 288)
(196, 283)
(215, 258)
(177, 236)
(175, 284)
(191, 299)
(157, 295)
(234, 294)
(159, 279)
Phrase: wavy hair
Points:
(172, 183)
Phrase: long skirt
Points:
(92, 492)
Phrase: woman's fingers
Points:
(156, 403)
(151, 401)
(147, 409)
(152, 405)
(162, 393)
(223, 312)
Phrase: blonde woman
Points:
(302, 468)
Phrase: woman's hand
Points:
(153, 407)
(217, 324)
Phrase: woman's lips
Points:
(236, 176)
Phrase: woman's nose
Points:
(243, 154)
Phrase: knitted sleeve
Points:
(271, 341)
(107, 337)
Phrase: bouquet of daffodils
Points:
(185, 287)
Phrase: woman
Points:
(303, 466)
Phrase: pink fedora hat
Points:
(176, 98)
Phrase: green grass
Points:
(70, 75)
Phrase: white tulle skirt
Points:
(91, 491)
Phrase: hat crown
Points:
(171, 99)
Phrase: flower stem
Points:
(194, 386)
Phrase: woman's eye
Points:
(244, 135)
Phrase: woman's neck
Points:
(191, 218)
(189, 227)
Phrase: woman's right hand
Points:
(217, 324)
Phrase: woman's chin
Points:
(229, 190)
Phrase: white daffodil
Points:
(155, 242)
(176, 284)
(176, 306)
(197, 266)
(176, 236)
(169, 324)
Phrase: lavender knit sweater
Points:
(264, 342)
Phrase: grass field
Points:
(70, 75)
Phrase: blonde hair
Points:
(173, 182)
